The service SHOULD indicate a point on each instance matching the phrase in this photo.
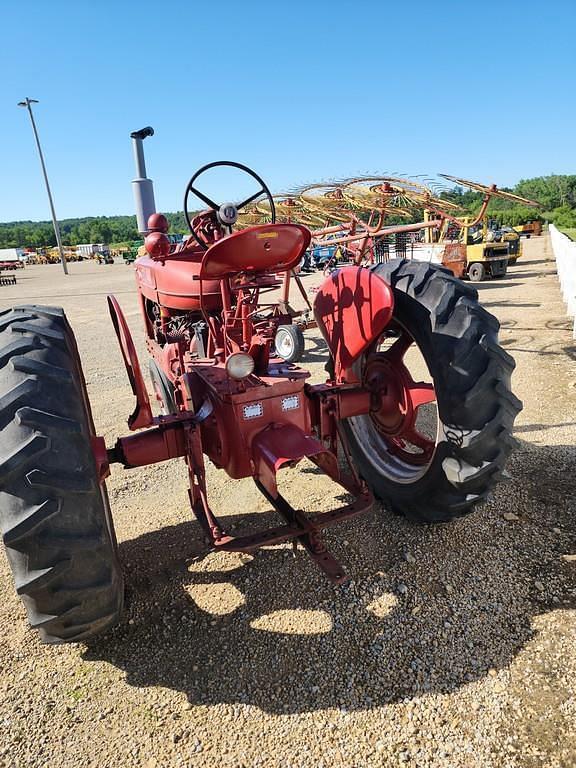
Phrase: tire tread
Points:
(54, 516)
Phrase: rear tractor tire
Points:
(54, 512)
(468, 409)
(289, 343)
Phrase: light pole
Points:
(27, 104)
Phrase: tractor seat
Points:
(267, 248)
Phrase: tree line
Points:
(556, 195)
(92, 229)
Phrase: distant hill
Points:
(556, 194)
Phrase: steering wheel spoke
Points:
(221, 211)
(251, 199)
(205, 199)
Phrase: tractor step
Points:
(311, 541)
(309, 529)
(254, 541)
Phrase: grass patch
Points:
(570, 231)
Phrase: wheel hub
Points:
(389, 383)
(395, 401)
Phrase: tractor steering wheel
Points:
(227, 213)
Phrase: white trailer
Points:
(88, 250)
(12, 258)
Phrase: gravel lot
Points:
(453, 645)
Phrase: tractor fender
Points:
(352, 308)
(142, 414)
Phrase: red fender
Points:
(142, 415)
(352, 308)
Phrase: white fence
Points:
(565, 255)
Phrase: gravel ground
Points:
(452, 645)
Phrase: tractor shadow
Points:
(270, 631)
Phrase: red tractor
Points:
(225, 395)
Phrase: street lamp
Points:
(27, 104)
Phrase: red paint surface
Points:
(352, 308)
(271, 247)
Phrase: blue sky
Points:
(300, 91)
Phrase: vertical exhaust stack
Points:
(142, 186)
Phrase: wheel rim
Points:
(284, 344)
(400, 433)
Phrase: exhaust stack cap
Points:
(142, 133)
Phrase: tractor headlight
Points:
(239, 365)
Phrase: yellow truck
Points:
(489, 246)
(487, 252)
(489, 249)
